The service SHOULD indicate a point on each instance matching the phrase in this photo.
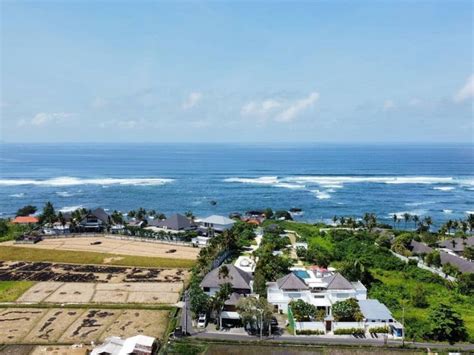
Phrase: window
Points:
(206, 289)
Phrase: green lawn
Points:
(11, 290)
(81, 257)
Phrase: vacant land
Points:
(121, 293)
(77, 325)
(11, 290)
(116, 246)
(35, 253)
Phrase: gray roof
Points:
(237, 277)
(463, 265)
(420, 248)
(233, 299)
(458, 244)
(215, 219)
(291, 282)
(373, 309)
(338, 282)
(175, 222)
(99, 213)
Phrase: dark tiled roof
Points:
(238, 278)
(175, 222)
(99, 213)
(291, 282)
(458, 244)
(233, 299)
(463, 265)
(338, 282)
(420, 248)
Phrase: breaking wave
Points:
(72, 181)
(70, 208)
(20, 195)
(443, 188)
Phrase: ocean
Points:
(322, 179)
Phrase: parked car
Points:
(97, 242)
(202, 320)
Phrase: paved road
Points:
(328, 341)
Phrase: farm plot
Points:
(42, 271)
(16, 323)
(133, 322)
(70, 326)
(52, 325)
(76, 293)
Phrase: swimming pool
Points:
(301, 273)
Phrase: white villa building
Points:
(319, 287)
(217, 223)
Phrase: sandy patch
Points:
(39, 292)
(73, 292)
(115, 246)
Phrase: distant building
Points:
(57, 228)
(95, 221)
(25, 220)
(138, 345)
(457, 245)
(175, 223)
(217, 223)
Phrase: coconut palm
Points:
(407, 217)
(470, 221)
(395, 220)
(416, 220)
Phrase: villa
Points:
(174, 224)
(317, 286)
(216, 223)
(138, 344)
(95, 221)
(242, 286)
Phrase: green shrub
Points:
(310, 332)
(349, 331)
(380, 330)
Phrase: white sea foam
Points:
(420, 203)
(443, 188)
(338, 180)
(70, 208)
(289, 186)
(400, 214)
(263, 180)
(469, 212)
(64, 193)
(321, 195)
(20, 195)
(72, 181)
(448, 211)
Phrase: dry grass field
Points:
(77, 325)
(115, 246)
(121, 293)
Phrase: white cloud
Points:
(192, 100)
(43, 118)
(290, 113)
(466, 92)
(262, 108)
(389, 105)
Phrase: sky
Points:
(237, 71)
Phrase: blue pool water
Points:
(302, 274)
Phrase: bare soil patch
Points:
(16, 323)
(115, 246)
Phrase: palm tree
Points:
(428, 221)
(470, 221)
(334, 220)
(395, 220)
(416, 220)
(342, 221)
(449, 225)
(407, 217)
(223, 272)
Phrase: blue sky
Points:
(329, 71)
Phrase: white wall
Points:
(340, 325)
